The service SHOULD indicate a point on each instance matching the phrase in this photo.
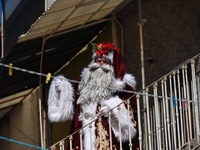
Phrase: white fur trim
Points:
(130, 80)
(83, 72)
(60, 100)
(123, 114)
(89, 110)
(118, 84)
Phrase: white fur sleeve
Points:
(60, 100)
(123, 114)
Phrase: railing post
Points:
(167, 113)
(176, 109)
(180, 106)
(110, 130)
(129, 128)
(157, 116)
(149, 146)
(90, 127)
(139, 122)
(172, 112)
(186, 106)
(195, 99)
(164, 117)
(188, 98)
(61, 144)
(100, 131)
(120, 130)
(81, 140)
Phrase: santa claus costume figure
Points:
(99, 91)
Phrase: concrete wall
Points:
(171, 35)
(21, 124)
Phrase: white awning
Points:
(67, 14)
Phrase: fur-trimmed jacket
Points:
(62, 106)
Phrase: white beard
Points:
(97, 79)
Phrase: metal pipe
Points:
(141, 45)
(100, 132)
(180, 106)
(81, 140)
(186, 106)
(120, 130)
(157, 116)
(172, 112)
(188, 98)
(110, 130)
(41, 119)
(195, 99)
(129, 121)
(148, 145)
(139, 122)
(164, 115)
(176, 109)
(142, 72)
(167, 113)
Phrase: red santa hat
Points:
(111, 52)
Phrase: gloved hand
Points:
(105, 108)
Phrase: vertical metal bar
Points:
(193, 112)
(172, 112)
(195, 99)
(198, 89)
(90, 127)
(110, 130)
(142, 72)
(167, 113)
(153, 127)
(164, 116)
(129, 128)
(157, 116)
(149, 146)
(53, 147)
(185, 105)
(81, 140)
(139, 122)
(176, 109)
(70, 142)
(180, 106)
(189, 105)
(162, 124)
(100, 131)
(41, 119)
(61, 145)
(141, 45)
(120, 131)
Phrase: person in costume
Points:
(99, 91)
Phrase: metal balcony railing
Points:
(167, 111)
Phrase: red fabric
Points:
(119, 66)
(104, 48)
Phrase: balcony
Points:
(167, 111)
